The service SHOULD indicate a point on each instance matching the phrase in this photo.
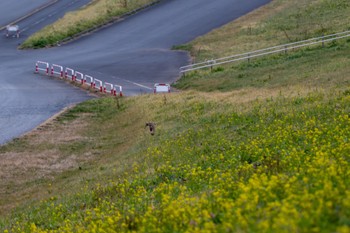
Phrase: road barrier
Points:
(91, 80)
(108, 87)
(42, 66)
(120, 90)
(56, 69)
(75, 76)
(79, 77)
(263, 52)
(69, 73)
(98, 84)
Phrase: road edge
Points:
(42, 7)
(96, 28)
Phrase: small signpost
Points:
(161, 88)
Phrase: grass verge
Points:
(90, 17)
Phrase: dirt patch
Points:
(52, 132)
(38, 157)
(39, 165)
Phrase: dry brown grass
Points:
(23, 168)
(222, 41)
(246, 95)
(61, 154)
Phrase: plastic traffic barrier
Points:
(120, 90)
(98, 84)
(79, 77)
(41, 66)
(89, 80)
(57, 70)
(69, 73)
(108, 87)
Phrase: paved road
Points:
(134, 53)
(11, 10)
(25, 100)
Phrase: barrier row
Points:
(75, 76)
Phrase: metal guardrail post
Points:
(322, 40)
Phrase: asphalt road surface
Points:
(134, 53)
(11, 10)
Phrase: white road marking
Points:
(137, 84)
(48, 16)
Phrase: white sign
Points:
(161, 88)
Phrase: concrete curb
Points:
(30, 13)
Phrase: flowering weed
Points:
(280, 165)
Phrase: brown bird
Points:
(152, 127)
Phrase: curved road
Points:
(134, 53)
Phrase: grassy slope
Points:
(272, 157)
(277, 23)
(224, 162)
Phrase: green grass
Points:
(311, 67)
(248, 147)
(208, 156)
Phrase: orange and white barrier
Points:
(42, 66)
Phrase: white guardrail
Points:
(120, 90)
(108, 87)
(264, 52)
(57, 70)
(98, 84)
(41, 66)
(69, 73)
(79, 77)
(54, 70)
(91, 80)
